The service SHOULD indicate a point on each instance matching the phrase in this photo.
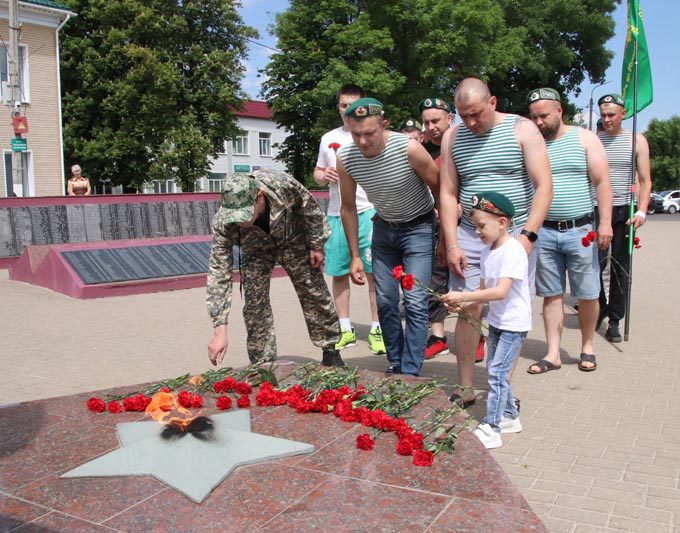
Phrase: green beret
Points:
(611, 98)
(238, 199)
(410, 124)
(364, 107)
(493, 202)
(544, 93)
(433, 103)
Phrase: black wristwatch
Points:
(529, 235)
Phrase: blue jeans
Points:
(413, 247)
(502, 349)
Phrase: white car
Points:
(671, 201)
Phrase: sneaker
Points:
(393, 369)
(436, 346)
(347, 339)
(376, 343)
(490, 438)
(479, 354)
(331, 357)
(613, 335)
(510, 425)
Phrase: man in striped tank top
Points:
(577, 160)
(619, 147)
(489, 151)
(398, 176)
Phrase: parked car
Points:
(671, 201)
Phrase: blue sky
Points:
(661, 19)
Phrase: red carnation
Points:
(398, 272)
(423, 458)
(242, 388)
(114, 407)
(592, 235)
(185, 399)
(164, 389)
(223, 403)
(636, 242)
(407, 282)
(196, 401)
(365, 442)
(243, 401)
(334, 146)
(585, 241)
(96, 405)
(405, 447)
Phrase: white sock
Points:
(375, 325)
(346, 324)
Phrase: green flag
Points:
(636, 34)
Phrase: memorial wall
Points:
(58, 220)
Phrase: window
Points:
(241, 145)
(216, 181)
(164, 186)
(266, 144)
(23, 70)
(23, 185)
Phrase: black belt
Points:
(564, 225)
(420, 219)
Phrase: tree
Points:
(149, 87)
(663, 137)
(404, 50)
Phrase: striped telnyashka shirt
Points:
(619, 150)
(492, 162)
(392, 186)
(571, 182)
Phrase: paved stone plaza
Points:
(600, 451)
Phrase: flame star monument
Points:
(192, 464)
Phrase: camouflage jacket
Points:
(294, 217)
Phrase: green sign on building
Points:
(19, 145)
(241, 168)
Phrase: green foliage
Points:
(404, 50)
(149, 85)
(663, 137)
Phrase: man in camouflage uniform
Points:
(272, 218)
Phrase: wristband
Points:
(641, 214)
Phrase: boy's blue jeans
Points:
(502, 349)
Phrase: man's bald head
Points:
(475, 105)
(471, 89)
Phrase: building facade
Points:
(253, 149)
(42, 168)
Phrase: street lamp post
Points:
(590, 105)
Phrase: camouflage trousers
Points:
(258, 258)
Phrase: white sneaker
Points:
(510, 425)
(490, 439)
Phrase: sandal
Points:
(458, 400)
(587, 358)
(543, 366)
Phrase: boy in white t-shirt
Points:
(504, 284)
(336, 249)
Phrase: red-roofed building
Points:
(251, 151)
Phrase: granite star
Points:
(190, 465)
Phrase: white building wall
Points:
(226, 162)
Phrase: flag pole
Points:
(633, 174)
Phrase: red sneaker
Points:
(479, 354)
(436, 346)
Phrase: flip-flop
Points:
(458, 400)
(587, 358)
(544, 366)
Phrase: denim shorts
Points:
(337, 251)
(561, 253)
(472, 245)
